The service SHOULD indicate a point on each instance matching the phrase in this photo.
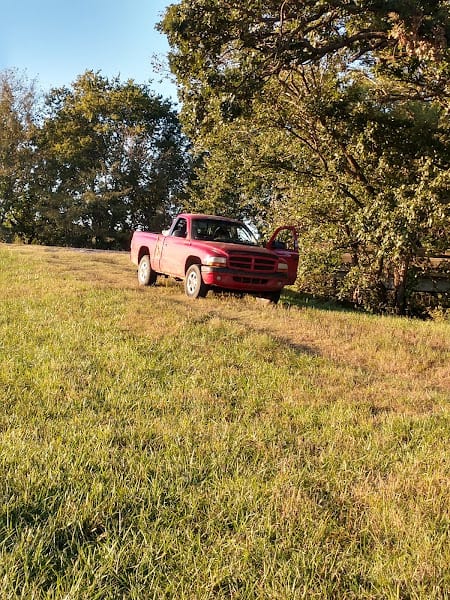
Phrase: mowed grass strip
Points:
(153, 447)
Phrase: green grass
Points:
(155, 447)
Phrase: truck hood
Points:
(229, 248)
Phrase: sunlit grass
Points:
(155, 447)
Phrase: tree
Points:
(343, 109)
(114, 159)
(18, 118)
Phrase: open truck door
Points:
(284, 242)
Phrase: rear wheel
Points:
(193, 283)
(146, 275)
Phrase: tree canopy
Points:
(230, 46)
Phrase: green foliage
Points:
(225, 52)
(18, 119)
(115, 152)
(99, 159)
(332, 116)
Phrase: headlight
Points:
(282, 266)
(215, 261)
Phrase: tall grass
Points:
(153, 447)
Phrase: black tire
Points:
(146, 275)
(194, 286)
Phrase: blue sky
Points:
(54, 41)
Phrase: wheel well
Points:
(142, 252)
(191, 260)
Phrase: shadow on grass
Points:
(203, 317)
(303, 300)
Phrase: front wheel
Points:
(193, 283)
(146, 275)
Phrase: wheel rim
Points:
(143, 271)
(192, 283)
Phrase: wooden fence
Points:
(434, 278)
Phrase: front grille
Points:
(249, 262)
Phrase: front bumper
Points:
(244, 281)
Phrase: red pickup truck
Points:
(210, 252)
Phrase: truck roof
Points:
(202, 216)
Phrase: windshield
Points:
(222, 231)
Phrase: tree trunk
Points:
(400, 278)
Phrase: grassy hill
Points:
(155, 447)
